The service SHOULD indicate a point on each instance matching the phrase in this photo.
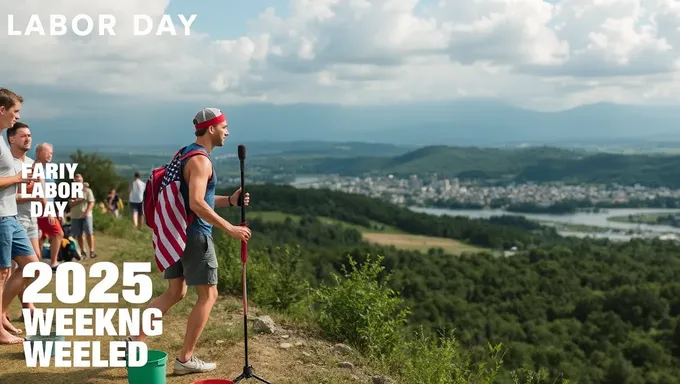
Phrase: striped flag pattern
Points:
(170, 216)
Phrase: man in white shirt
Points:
(136, 192)
(15, 245)
(19, 138)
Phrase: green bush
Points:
(361, 310)
(274, 280)
(286, 286)
(442, 361)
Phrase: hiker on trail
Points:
(19, 138)
(81, 218)
(50, 226)
(196, 266)
(14, 242)
(136, 192)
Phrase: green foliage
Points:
(375, 315)
(651, 170)
(100, 173)
(592, 311)
(443, 361)
(287, 285)
(275, 280)
(500, 233)
(360, 310)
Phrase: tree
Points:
(100, 173)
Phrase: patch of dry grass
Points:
(420, 243)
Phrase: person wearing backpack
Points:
(190, 178)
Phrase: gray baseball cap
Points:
(207, 117)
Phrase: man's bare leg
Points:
(90, 243)
(55, 247)
(5, 336)
(2, 284)
(207, 297)
(80, 239)
(173, 295)
(35, 242)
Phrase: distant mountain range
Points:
(461, 123)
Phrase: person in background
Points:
(50, 226)
(136, 192)
(81, 218)
(19, 138)
(112, 201)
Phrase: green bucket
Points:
(153, 372)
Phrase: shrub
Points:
(362, 311)
(443, 361)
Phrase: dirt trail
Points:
(306, 360)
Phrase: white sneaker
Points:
(193, 365)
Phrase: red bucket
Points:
(213, 381)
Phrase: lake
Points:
(610, 229)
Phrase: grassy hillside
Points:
(356, 307)
(308, 357)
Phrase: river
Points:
(610, 229)
(565, 223)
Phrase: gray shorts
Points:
(198, 264)
(30, 224)
(82, 226)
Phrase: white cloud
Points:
(529, 52)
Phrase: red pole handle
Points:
(244, 246)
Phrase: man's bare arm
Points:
(197, 172)
(6, 182)
(21, 199)
(221, 201)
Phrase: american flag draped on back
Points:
(170, 215)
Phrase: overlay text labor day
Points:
(100, 24)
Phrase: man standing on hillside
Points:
(81, 218)
(19, 138)
(197, 266)
(50, 226)
(136, 193)
(14, 242)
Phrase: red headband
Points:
(215, 120)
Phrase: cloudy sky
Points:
(532, 53)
